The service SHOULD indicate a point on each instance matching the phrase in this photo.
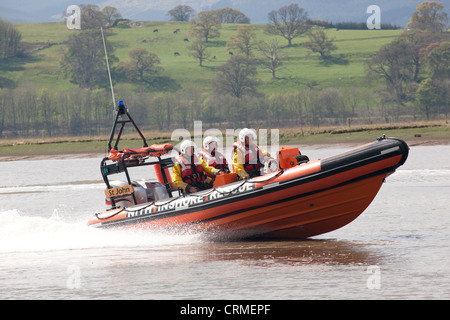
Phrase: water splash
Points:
(22, 233)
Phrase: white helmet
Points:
(187, 144)
(246, 132)
(208, 140)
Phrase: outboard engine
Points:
(144, 191)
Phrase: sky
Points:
(395, 12)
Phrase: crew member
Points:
(212, 156)
(188, 173)
(248, 158)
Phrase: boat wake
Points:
(56, 187)
(22, 233)
(421, 176)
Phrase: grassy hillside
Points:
(46, 41)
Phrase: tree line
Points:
(350, 25)
(415, 67)
(31, 112)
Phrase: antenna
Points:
(120, 112)
(109, 71)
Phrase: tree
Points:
(180, 13)
(9, 40)
(236, 77)
(331, 100)
(92, 17)
(289, 22)
(352, 97)
(46, 110)
(143, 65)
(426, 96)
(271, 55)
(111, 14)
(418, 42)
(401, 63)
(429, 16)
(243, 40)
(85, 61)
(437, 59)
(395, 64)
(4, 96)
(320, 43)
(199, 52)
(229, 15)
(205, 26)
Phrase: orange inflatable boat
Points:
(302, 199)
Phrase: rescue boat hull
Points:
(297, 203)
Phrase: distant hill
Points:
(346, 70)
(394, 12)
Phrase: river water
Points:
(398, 248)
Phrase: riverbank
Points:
(420, 133)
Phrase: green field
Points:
(42, 69)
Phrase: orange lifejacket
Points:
(191, 173)
(217, 160)
(252, 156)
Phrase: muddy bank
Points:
(64, 147)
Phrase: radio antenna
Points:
(109, 71)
